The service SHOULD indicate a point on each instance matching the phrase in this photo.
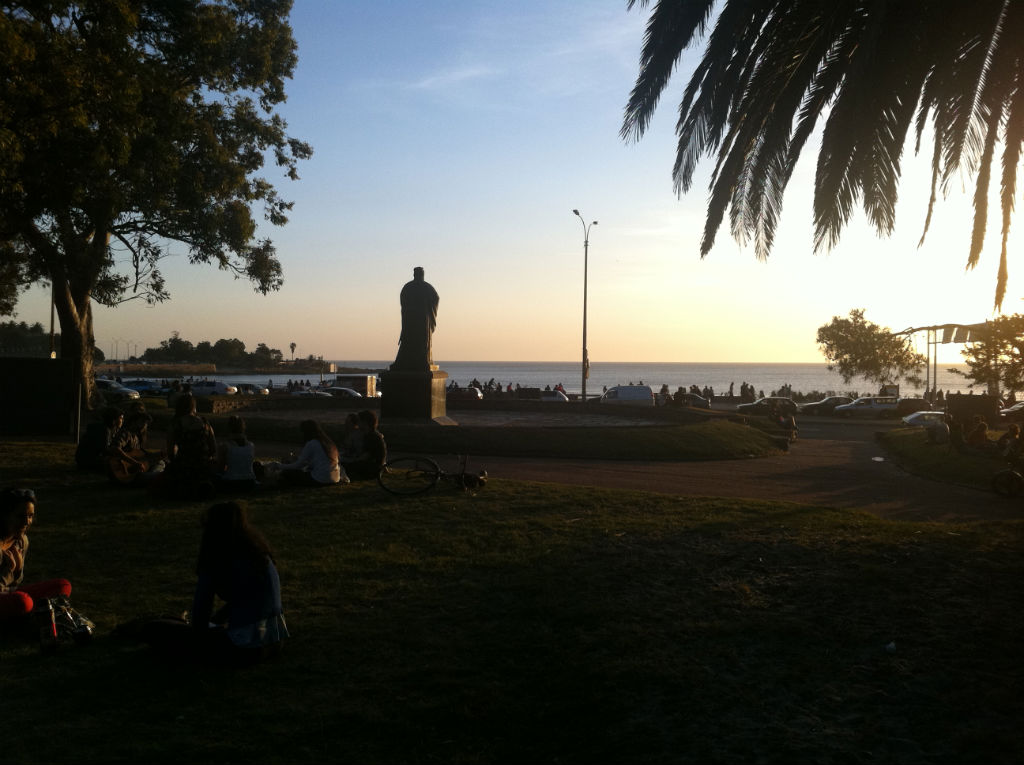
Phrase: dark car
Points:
(114, 393)
(1013, 413)
(145, 387)
(465, 394)
(762, 406)
(690, 399)
(825, 406)
(907, 406)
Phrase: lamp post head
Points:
(576, 212)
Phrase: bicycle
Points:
(405, 476)
(1010, 482)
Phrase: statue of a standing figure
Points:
(419, 317)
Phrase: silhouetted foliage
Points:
(126, 128)
(856, 347)
(772, 72)
(996, 354)
(224, 353)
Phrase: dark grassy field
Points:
(909, 448)
(530, 623)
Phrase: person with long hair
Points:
(235, 567)
(317, 463)
(17, 599)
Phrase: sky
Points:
(460, 135)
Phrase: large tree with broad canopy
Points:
(130, 125)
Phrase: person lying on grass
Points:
(17, 599)
(236, 566)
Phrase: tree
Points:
(995, 354)
(772, 71)
(854, 346)
(128, 126)
(21, 339)
(265, 356)
(293, 346)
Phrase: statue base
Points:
(415, 396)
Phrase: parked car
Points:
(553, 395)
(825, 406)
(868, 406)
(342, 392)
(114, 392)
(689, 399)
(311, 393)
(910, 405)
(145, 387)
(465, 394)
(1013, 413)
(212, 388)
(924, 419)
(251, 389)
(783, 404)
(628, 395)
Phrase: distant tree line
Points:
(223, 353)
(18, 338)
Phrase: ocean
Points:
(803, 378)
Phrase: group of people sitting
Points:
(976, 437)
(194, 464)
(235, 565)
(236, 617)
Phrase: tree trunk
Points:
(77, 340)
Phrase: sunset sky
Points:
(460, 136)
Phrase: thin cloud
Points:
(450, 78)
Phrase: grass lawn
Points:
(530, 623)
(910, 449)
(710, 440)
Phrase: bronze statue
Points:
(419, 317)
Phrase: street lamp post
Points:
(586, 245)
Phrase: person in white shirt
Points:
(317, 464)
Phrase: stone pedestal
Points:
(415, 395)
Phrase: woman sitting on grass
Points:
(236, 458)
(236, 566)
(317, 464)
(17, 511)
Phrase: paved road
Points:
(833, 464)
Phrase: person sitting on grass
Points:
(1009, 443)
(978, 437)
(236, 566)
(351, 439)
(236, 458)
(317, 464)
(191, 449)
(17, 600)
(367, 464)
(129, 462)
(92, 452)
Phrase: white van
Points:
(631, 395)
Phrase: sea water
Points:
(802, 378)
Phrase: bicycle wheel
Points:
(1007, 483)
(409, 475)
